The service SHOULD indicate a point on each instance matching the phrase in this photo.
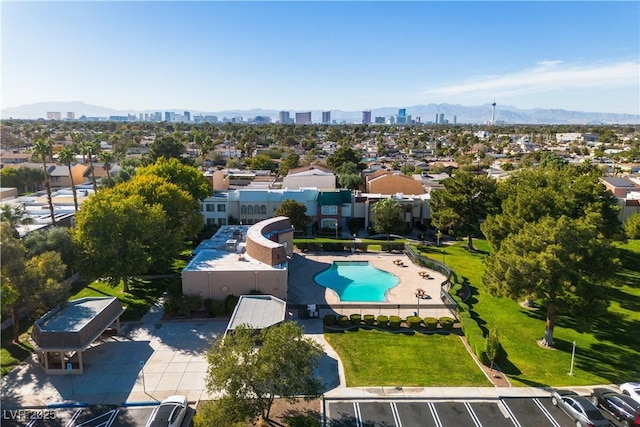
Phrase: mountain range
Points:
(478, 114)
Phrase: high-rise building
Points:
(187, 116)
(283, 117)
(326, 117)
(169, 116)
(441, 119)
(54, 115)
(71, 115)
(402, 116)
(379, 120)
(366, 117)
(303, 118)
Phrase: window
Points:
(243, 210)
(263, 209)
(209, 207)
(222, 221)
(211, 221)
(222, 208)
(250, 210)
(256, 209)
(330, 210)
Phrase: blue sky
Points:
(212, 56)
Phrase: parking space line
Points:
(31, 423)
(546, 412)
(73, 419)
(434, 414)
(474, 417)
(511, 415)
(396, 415)
(356, 411)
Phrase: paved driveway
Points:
(149, 362)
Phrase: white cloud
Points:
(546, 76)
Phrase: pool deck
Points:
(304, 266)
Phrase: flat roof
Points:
(222, 260)
(258, 312)
(74, 316)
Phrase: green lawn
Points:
(607, 353)
(380, 358)
(142, 294)
(12, 354)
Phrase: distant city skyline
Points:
(302, 56)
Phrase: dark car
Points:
(579, 409)
(622, 407)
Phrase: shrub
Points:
(395, 322)
(369, 319)
(188, 304)
(462, 306)
(230, 303)
(355, 319)
(302, 420)
(431, 323)
(214, 307)
(382, 321)
(446, 323)
(303, 246)
(414, 322)
(330, 319)
(171, 304)
(343, 320)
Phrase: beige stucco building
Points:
(242, 259)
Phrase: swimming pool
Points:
(357, 281)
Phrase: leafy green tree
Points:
(463, 204)
(31, 283)
(119, 237)
(533, 194)
(184, 176)
(350, 180)
(561, 262)
(492, 346)
(67, 156)
(632, 226)
(55, 239)
(107, 158)
(167, 146)
(388, 218)
(297, 213)
(42, 150)
(262, 162)
(26, 180)
(343, 155)
(292, 161)
(251, 378)
(184, 219)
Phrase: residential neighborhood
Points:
(136, 249)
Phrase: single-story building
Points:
(64, 333)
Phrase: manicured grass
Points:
(142, 294)
(606, 353)
(380, 358)
(11, 354)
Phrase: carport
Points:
(63, 334)
(258, 312)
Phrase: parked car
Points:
(631, 389)
(579, 409)
(169, 413)
(622, 407)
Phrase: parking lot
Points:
(92, 416)
(518, 412)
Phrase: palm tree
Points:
(41, 150)
(89, 149)
(66, 157)
(107, 157)
(15, 215)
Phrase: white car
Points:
(169, 413)
(631, 389)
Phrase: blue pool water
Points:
(357, 281)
